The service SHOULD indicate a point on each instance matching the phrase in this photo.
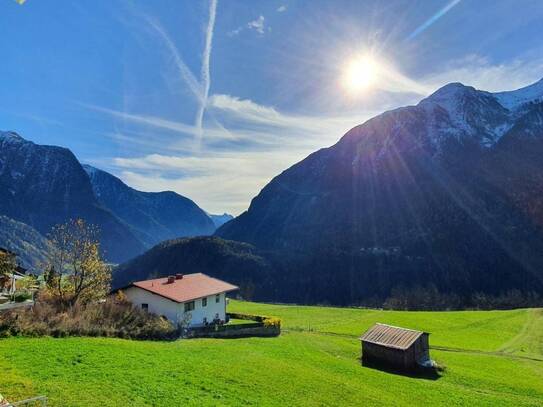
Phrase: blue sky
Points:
(213, 99)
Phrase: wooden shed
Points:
(395, 347)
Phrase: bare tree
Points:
(76, 271)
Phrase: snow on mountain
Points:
(10, 136)
(463, 111)
(512, 100)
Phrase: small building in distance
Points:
(395, 347)
(191, 299)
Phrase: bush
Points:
(22, 296)
(272, 321)
(266, 321)
(110, 319)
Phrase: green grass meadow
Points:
(492, 358)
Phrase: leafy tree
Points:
(8, 266)
(76, 271)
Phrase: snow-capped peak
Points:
(10, 136)
(462, 111)
(514, 99)
(449, 91)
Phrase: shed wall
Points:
(403, 359)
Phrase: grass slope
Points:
(493, 358)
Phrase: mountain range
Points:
(46, 185)
(447, 193)
(152, 216)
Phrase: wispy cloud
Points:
(244, 112)
(262, 142)
(246, 121)
(282, 9)
(258, 25)
(481, 73)
(207, 178)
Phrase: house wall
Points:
(200, 312)
(175, 311)
(157, 304)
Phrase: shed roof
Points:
(391, 336)
(188, 288)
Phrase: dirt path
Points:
(530, 338)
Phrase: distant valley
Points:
(444, 197)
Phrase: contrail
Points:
(184, 70)
(433, 19)
(204, 72)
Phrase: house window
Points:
(204, 302)
(145, 307)
(218, 298)
(189, 306)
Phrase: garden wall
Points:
(262, 327)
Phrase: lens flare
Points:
(359, 74)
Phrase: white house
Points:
(194, 299)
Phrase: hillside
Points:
(447, 192)
(492, 358)
(152, 216)
(45, 185)
(239, 263)
(31, 247)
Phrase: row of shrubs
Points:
(265, 320)
(429, 298)
(111, 318)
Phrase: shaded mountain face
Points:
(152, 216)
(448, 192)
(45, 185)
(29, 245)
(235, 262)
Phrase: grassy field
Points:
(493, 358)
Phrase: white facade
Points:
(175, 311)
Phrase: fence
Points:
(34, 401)
(13, 305)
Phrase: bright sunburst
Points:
(359, 74)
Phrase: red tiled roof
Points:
(391, 336)
(188, 288)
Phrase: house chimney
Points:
(178, 276)
(171, 279)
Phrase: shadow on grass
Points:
(424, 373)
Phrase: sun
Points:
(359, 74)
